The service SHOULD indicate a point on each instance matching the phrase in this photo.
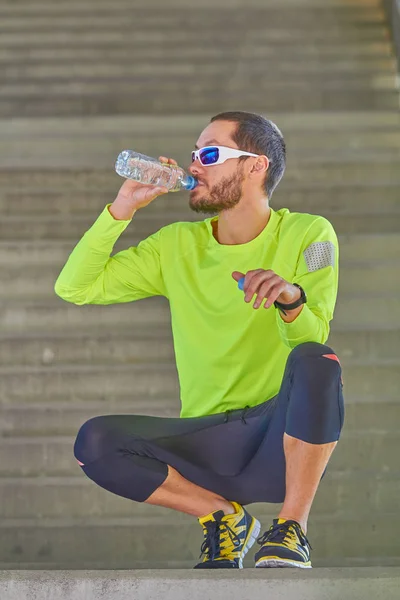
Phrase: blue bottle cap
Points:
(241, 283)
(191, 183)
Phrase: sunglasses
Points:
(215, 155)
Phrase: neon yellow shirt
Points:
(228, 354)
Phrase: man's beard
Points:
(223, 196)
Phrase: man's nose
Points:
(194, 168)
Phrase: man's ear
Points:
(261, 164)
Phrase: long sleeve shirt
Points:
(228, 354)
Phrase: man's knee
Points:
(92, 441)
(310, 349)
(318, 406)
(318, 360)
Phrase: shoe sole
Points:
(252, 537)
(275, 562)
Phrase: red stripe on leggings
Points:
(333, 357)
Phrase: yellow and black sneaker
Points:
(227, 538)
(284, 545)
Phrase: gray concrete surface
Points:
(274, 584)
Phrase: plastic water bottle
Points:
(150, 171)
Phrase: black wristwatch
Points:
(299, 302)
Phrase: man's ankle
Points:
(227, 508)
(301, 522)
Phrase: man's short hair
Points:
(256, 134)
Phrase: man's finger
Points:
(274, 294)
(237, 275)
(263, 292)
(249, 278)
(168, 161)
(254, 281)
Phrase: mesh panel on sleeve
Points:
(319, 255)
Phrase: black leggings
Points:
(238, 455)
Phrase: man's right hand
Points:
(134, 195)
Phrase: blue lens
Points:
(209, 156)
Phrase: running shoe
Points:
(284, 545)
(227, 538)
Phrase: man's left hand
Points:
(267, 284)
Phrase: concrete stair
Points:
(128, 543)
(332, 584)
(81, 82)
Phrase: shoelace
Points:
(212, 543)
(278, 533)
(241, 416)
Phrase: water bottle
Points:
(150, 171)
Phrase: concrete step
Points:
(175, 206)
(111, 347)
(159, 126)
(336, 12)
(155, 344)
(35, 282)
(57, 315)
(371, 71)
(52, 418)
(147, 99)
(78, 497)
(63, 6)
(155, 380)
(78, 382)
(61, 417)
(338, 9)
(340, 19)
(370, 246)
(181, 584)
(116, 127)
(94, 543)
(353, 172)
(72, 227)
(343, 147)
(334, 87)
(21, 152)
(53, 88)
(348, 55)
(202, 31)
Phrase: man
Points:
(261, 393)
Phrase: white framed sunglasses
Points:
(215, 155)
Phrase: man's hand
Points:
(267, 284)
(134, 195)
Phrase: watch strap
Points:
(296, 304)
